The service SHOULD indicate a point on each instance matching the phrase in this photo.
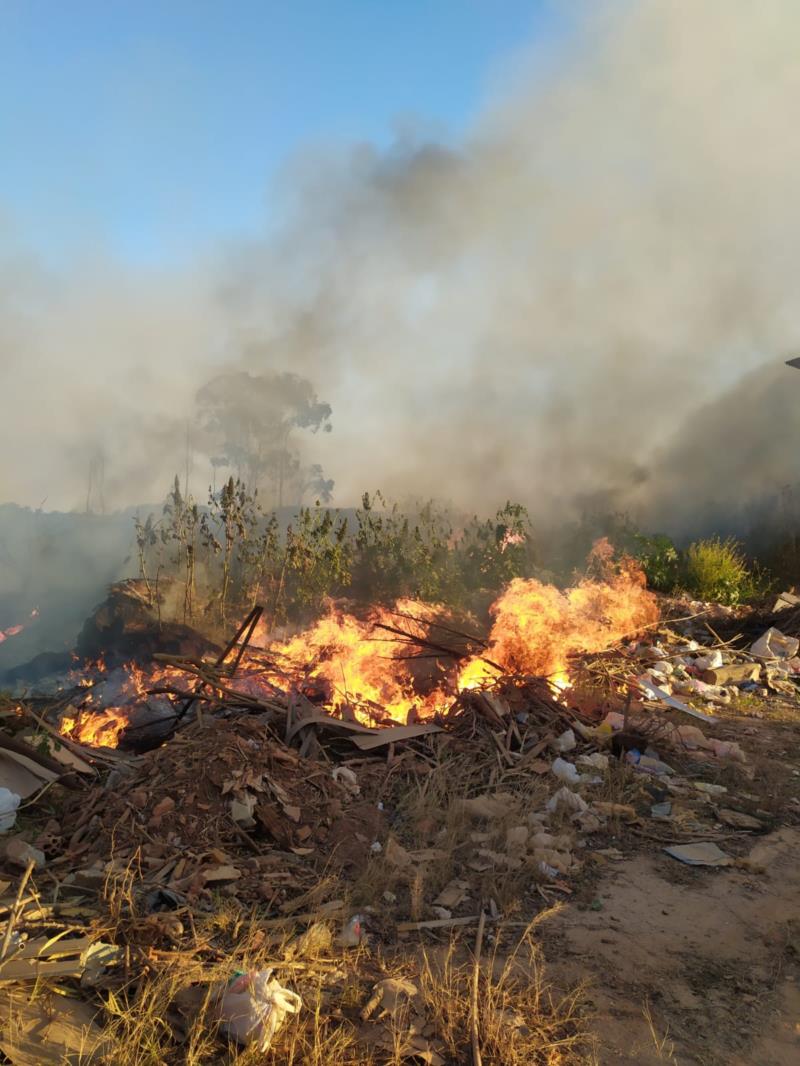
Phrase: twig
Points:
(477, 1058)
(440, 923)
(15, 910)
(244, 632)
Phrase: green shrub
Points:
(660, 561)
(716, 570)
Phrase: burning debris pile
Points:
(383, 774)
(134, 674)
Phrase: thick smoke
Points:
(544, 311)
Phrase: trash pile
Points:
(311, 831)
(718, 674)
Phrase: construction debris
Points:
(258, 798)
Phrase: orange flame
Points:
(14, 631)
(536, 629)
(358, 661)
(101, 729)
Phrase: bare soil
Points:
(690, 965)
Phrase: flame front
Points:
(359, 663)
(357, 668)
(537, 628)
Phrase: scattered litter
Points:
(453, 894)
(616, 810)
(774, 645)
(659, 695)
(565, 742)
(738, 820)
(705, 854)
(242, 812)
(784, 601)
(43, 957)
(614, 854)
(490, 806)
(50, 1030)
(348, 778)
(253, 807)
(353, 932)
(20, 853)
(9, 802)
(709, 788)
(389, 996)
(712, 661)
(396, 855)
(566, 800)
(566, 771)
(596, 761)
(733, 674)
(254, 1006)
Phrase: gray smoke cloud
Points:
(548, 310)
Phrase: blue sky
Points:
(152, 130)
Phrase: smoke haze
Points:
(587, 296)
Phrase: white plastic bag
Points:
(566, 800)
(9, 801)
(774, 645)
(254, 1007)
(565, 771)
(566, 742)
(712, 661)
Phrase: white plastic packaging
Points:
(255, 1006)
(712, 661)
(774, 645)
(566, 800)
(9, 802)
(565, 771)
(566, 742)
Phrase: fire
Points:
(358, 663)
(357, 668)
(104, 711)
(559, 681)
(101, 729)
(14, 631)
(477, 672)
(537, 627)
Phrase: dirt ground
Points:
(687, 965)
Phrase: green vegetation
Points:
(231, 553)
(716, 570)
(660, 561)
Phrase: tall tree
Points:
(253, 420)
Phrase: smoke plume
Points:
(562, 305)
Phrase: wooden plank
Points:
(391, 734)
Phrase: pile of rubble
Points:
(307, 818)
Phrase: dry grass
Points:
(522, 1020)
(664, 1047)
(432, 815)
(164, 1013)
